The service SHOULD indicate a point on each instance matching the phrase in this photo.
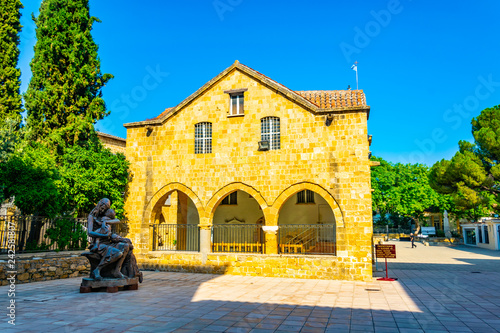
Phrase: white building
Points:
(485, 233)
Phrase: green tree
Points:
(30, 175)
(9, 137)
(415, 195)
(383, 179)
(472, 176)
(10, 83)
(44, 184)
(90, 174)
(66, 233)
(403, 190)
(60, 167)
(64, 97)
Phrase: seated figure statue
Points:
(110, 255)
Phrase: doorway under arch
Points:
(176, 221)
(306, 225)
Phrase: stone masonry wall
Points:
(43, 269)
(115, 145)
(289, 266)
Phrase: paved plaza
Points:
(439, 289)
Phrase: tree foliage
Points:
(9, 138)
(59, 167)
(383, 179)
(66, 233)
(64, 97)
(472, 176)
(90, 174)
(404, 190)
(30, 175)
(48, 185)
(10, 83)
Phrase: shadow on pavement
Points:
(186, 302)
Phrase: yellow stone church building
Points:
(248, 177)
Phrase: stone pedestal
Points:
(111, 285)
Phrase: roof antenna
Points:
(355, 68)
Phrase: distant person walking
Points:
(412, 238)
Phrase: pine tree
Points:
(64, 97)
(10, 27)
(472, 176)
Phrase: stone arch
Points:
(224, 191)
(155, 200)
(286, 194)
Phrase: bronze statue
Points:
(110, 255)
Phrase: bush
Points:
(33, 246)
(66, 233)
(440, 233)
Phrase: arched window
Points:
(203, 138)
(270, 131)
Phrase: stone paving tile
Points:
(386, 330)
(238, 330)
(289, 328)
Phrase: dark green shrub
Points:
(440, 233)
(66, 233)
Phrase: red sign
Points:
(385, 251)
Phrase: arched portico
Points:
(214, 202)
(290, 191)
(237, 213)
(159, 198)
(307, 220)
(173, 215)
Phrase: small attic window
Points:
(236, 101)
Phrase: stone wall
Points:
(33, 269)
(288, 266)
(114, 143)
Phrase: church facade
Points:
(246, 176)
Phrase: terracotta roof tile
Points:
(167, 110)
(329, 99)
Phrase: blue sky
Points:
(426, 67)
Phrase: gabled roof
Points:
(317, 102)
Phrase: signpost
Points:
(385, 251)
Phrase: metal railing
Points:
(307, 239)
(176, 237)
(248, 238)
(38, 234)
(385, 230)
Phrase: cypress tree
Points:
(10, 83)
(64, 97)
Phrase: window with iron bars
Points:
(231, 199)
(203, 138)
(305, 196)
(270, 131)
